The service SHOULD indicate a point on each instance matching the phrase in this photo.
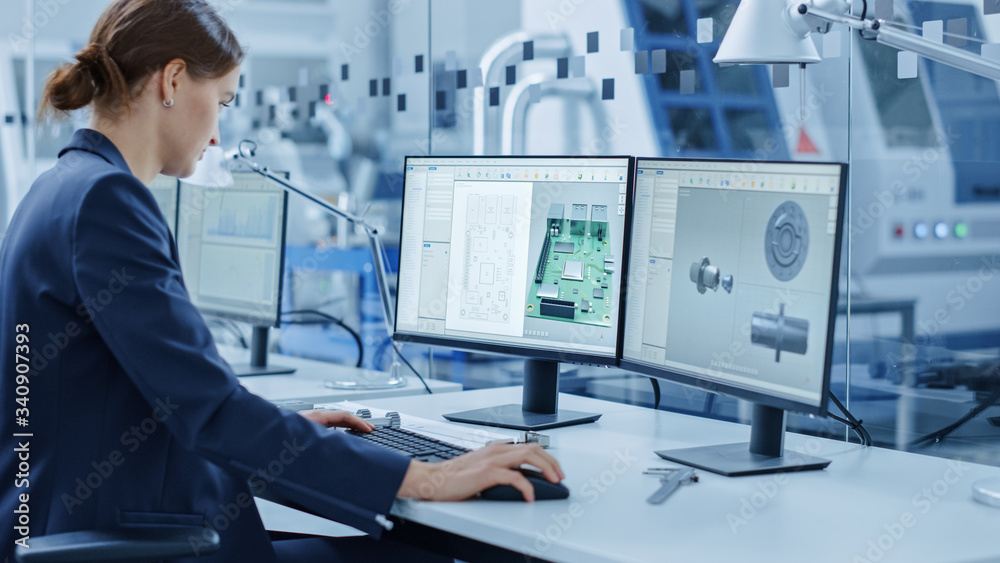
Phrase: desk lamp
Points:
(213, 172)
(777, 32)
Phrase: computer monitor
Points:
(521, 256)
(164, 189)
(231, 243)
(732, 288)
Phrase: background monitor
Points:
(516, 255)
(231, 243)
(164, 189)
(733, 289)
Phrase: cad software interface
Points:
(230, 243)
(524, 252)
(731, 272)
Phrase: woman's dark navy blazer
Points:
(134, 419)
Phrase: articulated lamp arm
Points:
(245, 153)
(945, 54)
(777, 32)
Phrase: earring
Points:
(166, 105)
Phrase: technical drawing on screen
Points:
(519, 255)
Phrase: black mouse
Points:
(544, 489)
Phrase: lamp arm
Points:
(810, 13)
(265, 172)
(382, 277)
(944, 54)
(379, 257)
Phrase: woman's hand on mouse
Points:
(466, 475)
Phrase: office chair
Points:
(124, 544)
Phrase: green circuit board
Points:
(567, 293)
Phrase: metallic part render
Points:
(727, 283)
(786, 241)
(779, 332)
(706, 276)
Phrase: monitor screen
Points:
(231, 244)
(520, 255)
(164, 189)
(732, 279)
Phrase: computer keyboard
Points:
(388, 434)
(422, 446)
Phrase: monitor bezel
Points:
(254, 320)
(563, 356)
(731, 390)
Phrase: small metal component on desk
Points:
(395, 421)
(542, 440)
(670, 481)
(661, 470)
(536, 438)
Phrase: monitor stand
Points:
(258, 357)
(539, 408)
(764, 454)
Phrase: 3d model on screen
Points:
(786, 241)
(780, 333)
(574, 271)
(706, 276)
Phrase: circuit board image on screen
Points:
(574, 270)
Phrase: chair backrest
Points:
(124, 544)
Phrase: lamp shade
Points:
(211, 171)
(760, 34)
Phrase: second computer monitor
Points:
(231, 243)
(733, 289)
(522, 256)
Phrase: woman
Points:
(129, 414)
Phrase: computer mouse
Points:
(544, 489)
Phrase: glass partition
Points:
(924, 149)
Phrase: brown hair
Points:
(134, 39)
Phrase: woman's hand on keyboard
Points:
(466, 475)
(339, 419)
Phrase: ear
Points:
(171, 79)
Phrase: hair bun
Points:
(104, 73)
(95, 60)
(92, 56)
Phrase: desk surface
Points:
(869, 504)
(308, 381)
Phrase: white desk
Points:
(847, 512)
(308, 381)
